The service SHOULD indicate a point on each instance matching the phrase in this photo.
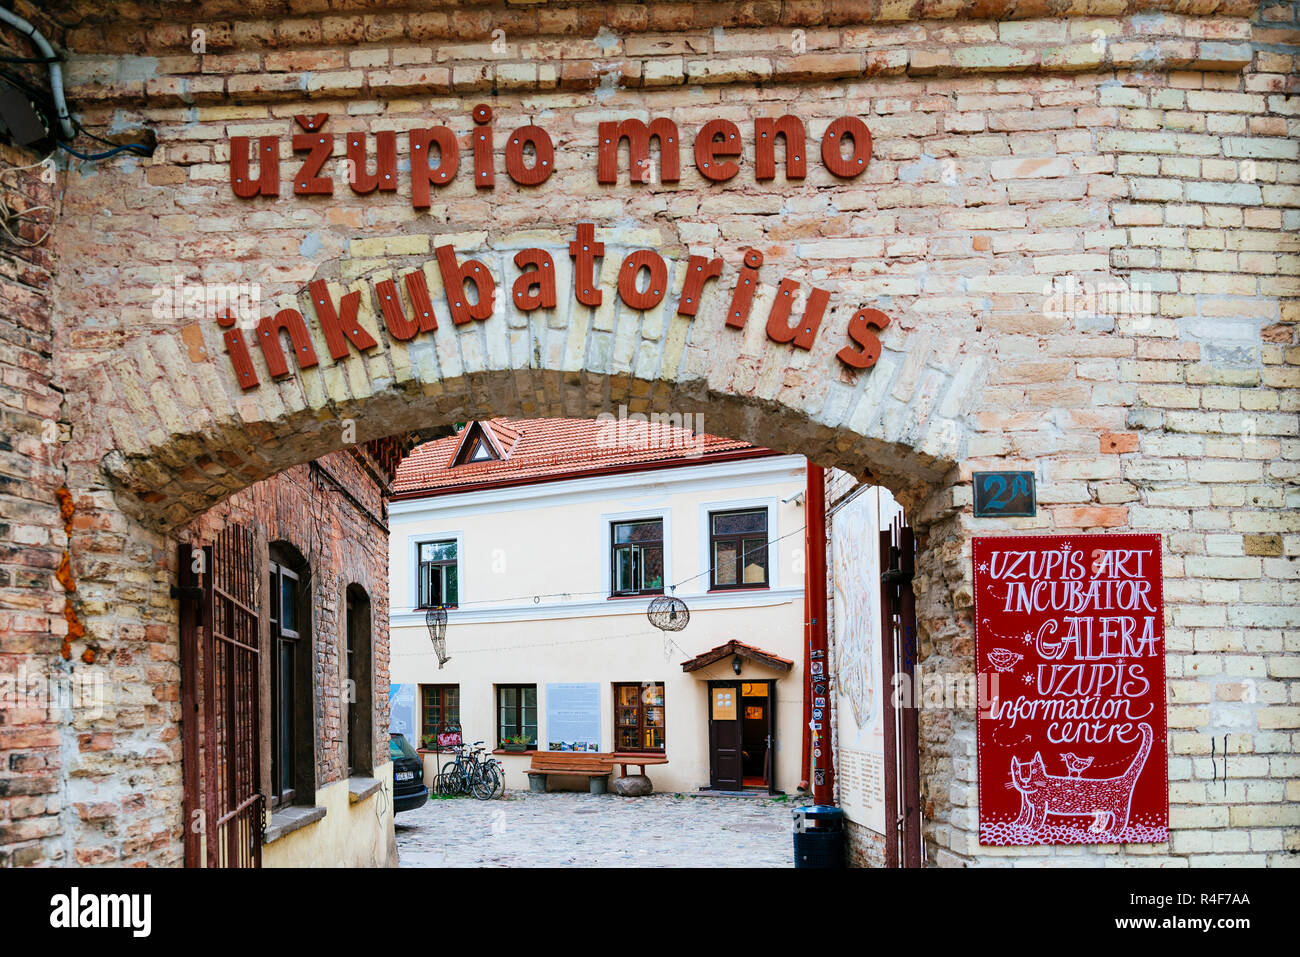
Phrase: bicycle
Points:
(470, 773)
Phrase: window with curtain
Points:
(738, 548)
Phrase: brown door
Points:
(726, 764)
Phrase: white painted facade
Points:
(534, 604)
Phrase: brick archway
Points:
(1122, 144)
(176, 434)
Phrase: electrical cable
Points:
(145, 148)
(19, 169)
(138, 149)
(10, 215)
(584, 594)
(56, 71)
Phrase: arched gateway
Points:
(1039, 251)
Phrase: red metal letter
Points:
(484, 175)
(746, 283)
(421, 174)
(835, 160)
(804, 334)
(544, 159)
(655, 289)
(698, 271)
(268, 337)
(237, 349)
(860, 331)
(766, 130)
(541, 278)
(384, 178)
(455, 276)
(268, 167)
(584, 251)
(339, 328)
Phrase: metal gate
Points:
(220, 662)
(903, 846)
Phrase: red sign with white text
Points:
(1071, 735)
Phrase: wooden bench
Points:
(595, 767)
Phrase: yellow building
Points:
(547, 539)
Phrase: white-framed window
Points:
(738, 548)
(738, 544)
(638, 549)
(437, 572)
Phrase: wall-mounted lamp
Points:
(735, 664)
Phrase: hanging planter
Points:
(436, 619)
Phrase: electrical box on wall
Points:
(22, 121)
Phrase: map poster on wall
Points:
(859, 683)
(573, 716)
(1069, 643)
(401, 712)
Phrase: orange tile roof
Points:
(551, 449)
(734, 647)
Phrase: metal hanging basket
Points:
(436, 619)
(668, 613)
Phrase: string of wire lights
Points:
(569, 595)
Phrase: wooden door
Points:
(726, 767)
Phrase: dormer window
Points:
(480, 442)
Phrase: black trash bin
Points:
(818, 836)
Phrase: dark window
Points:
(437, 574)
(285, 643)
(738, 549)
(439, 713)
(517, 713)
(359, 698)
(639, 717)
(637, 558)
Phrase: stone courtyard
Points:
(564, 829)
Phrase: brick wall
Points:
(334, 513)
(32, 535)
(1115, 144)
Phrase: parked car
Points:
(409, 791)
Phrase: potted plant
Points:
(518, 742)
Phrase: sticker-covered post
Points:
(1070, 657)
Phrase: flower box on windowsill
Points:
(516, 748)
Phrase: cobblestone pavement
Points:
(564, 829)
